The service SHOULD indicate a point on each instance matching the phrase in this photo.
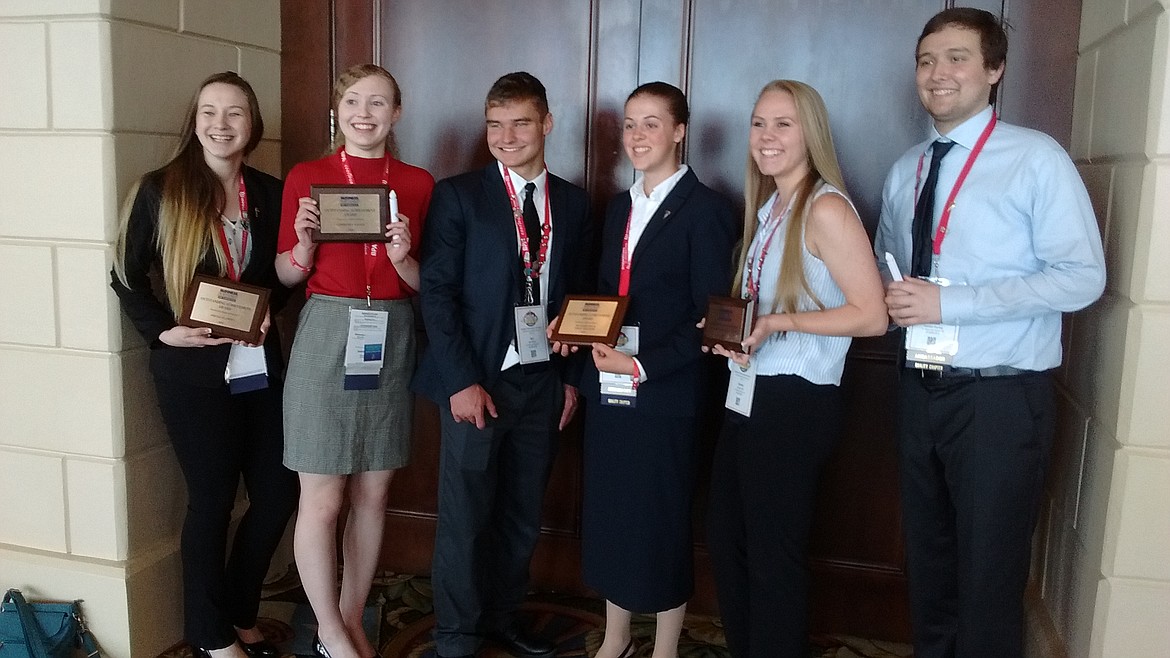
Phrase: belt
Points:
(952, 372)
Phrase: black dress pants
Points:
(219, 437)
(763, 493)
(973, 454)
(491, 490)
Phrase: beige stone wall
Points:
(1103, 550)
(94, 91)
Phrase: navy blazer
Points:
(471, 279)
(682, 258)
(198, 366)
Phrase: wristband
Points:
(293, 261)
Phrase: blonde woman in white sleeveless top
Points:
(807, 262)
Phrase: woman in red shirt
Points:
(347, 420)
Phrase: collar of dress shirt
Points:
(637, 190)
(965, 134)
(518, 182)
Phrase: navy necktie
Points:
(924, 213)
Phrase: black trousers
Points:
(219, 437)
(973, 454)
(491, 489)
(763, 493)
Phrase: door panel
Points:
(447, 54)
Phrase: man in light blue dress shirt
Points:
(1007, 247)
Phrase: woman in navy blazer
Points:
(667, 246)
(206, 212)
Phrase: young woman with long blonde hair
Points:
(806, 262)
(206, 212)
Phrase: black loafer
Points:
(261, 649)
(518, 644)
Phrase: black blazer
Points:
(151, 314)
(471, 277)
(683, 256)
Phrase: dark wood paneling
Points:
(858, 55)
(1037, 88)
(446, 56)
(306, 76)
(355, 29)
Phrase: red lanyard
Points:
(624, 272)
(235, 273)
(945, 219)
(371, 248)
(531, 270)
(753, 283)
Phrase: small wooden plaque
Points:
(229, 308)
(729, 322)
(588, 319)
(351, 213)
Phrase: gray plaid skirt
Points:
(330, 430)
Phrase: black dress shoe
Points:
(629, 651)
(518, 644)
(199, 652)
(261, 649)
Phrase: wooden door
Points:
(590, 55)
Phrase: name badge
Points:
(365, 348)
(531, 333)
(247, 369)
(618, 390)
(932, 346)
(627, 340)
(741, 388)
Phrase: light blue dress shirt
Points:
(1022, 245)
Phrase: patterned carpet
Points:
(399, 620)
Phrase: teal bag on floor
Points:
(42, 630)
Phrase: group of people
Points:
(1008, 242)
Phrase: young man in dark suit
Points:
(502, 247)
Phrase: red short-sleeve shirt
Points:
(339, 268)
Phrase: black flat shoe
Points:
(517, 643)
(261, 649)
(319, 649)
(629, 651)
(199, 652)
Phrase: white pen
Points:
(895, 272)
(393, 206)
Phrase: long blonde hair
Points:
(192, 199)
(791, 283)
(345, 80)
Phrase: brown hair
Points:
(993, 39)
(518, 86)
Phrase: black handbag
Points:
(42, 630)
